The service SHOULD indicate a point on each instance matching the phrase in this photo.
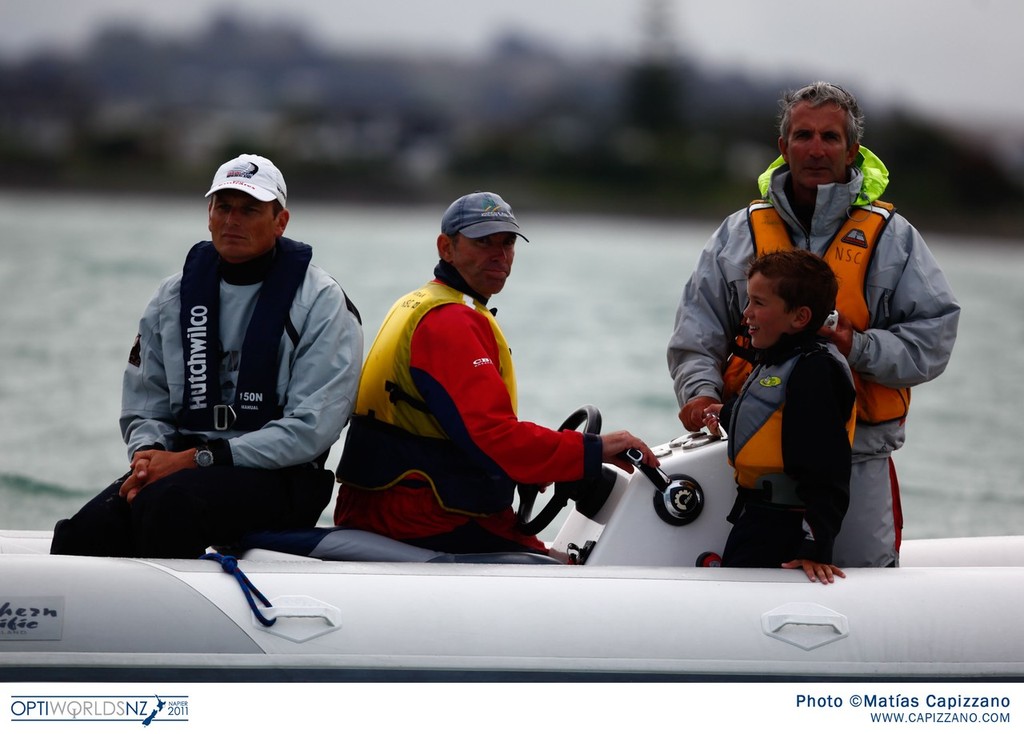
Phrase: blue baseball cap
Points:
(479, 214)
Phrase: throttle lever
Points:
(658, 478)
(677, 500)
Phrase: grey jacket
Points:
(913, 312)
(317, 376)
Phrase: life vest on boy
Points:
(755, 433)
(849, 255)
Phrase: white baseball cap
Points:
(253, 174)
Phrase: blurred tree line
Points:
(652, 136)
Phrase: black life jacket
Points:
(256, 400)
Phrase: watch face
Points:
(204, 457)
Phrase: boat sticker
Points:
(31, 618)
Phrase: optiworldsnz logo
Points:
(143, 710)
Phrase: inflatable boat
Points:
(631, 591)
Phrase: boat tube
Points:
(631, 591)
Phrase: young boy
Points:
(791, 426)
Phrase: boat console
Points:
(672, 516)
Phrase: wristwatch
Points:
(204, 457)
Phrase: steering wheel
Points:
(589, 494)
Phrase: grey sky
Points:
(960, 59)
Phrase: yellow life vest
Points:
(849, 255)
(394, 439)
(386, 388)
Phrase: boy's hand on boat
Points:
(614, 445)
(823, 572)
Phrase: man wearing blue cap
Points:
(240, 380)
(435, 448)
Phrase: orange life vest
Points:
(849, 255)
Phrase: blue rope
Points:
(230, 565)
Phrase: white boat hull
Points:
(639, 609)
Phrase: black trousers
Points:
(764, 536)
(181, 515)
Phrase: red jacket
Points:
(454, 358)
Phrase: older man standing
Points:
(897, 313)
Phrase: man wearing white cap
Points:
(435, 448)
(241, 378)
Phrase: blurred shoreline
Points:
(656, 135)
